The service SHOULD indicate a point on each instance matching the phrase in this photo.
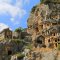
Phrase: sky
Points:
(14, 13)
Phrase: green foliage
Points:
(58, 46)
(47, 1)
(33, 9)
(29, 46)
(17, 41)
(41, 1)
(20, 29)
(23, 30)
(20, 55)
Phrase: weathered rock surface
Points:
(9, 49)
(44, 26)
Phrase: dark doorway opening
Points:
(37, 29)
(58, 39)
(56, 44)
(49, 40)
(55, 40)
(9, 52)
(39, 41)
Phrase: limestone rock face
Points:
(48, 1)
(43, 20)
(44, 26)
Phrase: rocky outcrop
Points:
(44, 26)
(45, 55)
(44, 20)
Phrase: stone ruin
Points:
(12, 44)
(10, 50)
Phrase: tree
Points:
(18, 29)
(42, 1)
(33, 9)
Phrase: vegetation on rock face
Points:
(29, 46)
(57, 1)
(17, 41)
(42, 1)
(33, 9)
(20, 55)
(58, 46)
(18, 29)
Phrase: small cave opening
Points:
(9, 52)
(44, 46)
(56, 44)
(58, 39)
(49, 40)
(55, 40)
(36, 29)
(40, 40)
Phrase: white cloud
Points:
(12, 19)
(15, 21)
(13, 10)
(6, 1)
(3, 26)
(27, 1)
(21, 2)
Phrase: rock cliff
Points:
(44, 27)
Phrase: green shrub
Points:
(20, 55)
(42, 1)
(58, 46)
(29, 46)
(17, 41)
(33, 9)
